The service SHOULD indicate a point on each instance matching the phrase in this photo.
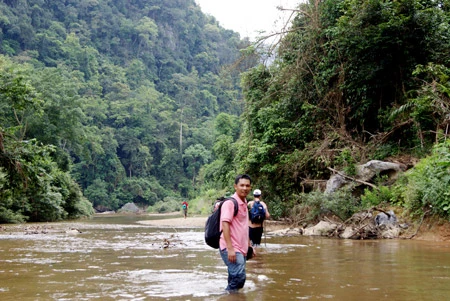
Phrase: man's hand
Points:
(227, 237)
(231, 255)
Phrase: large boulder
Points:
(390, 232)
(387, 225)
(365, 173)
(369, 170)
(388, 219)
(348, 233)
(129, 208)
(287, 232)
(323, 228)
(335, 182)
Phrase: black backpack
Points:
(212, 226)
(257, 213)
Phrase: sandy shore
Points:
(177, 222)
(199, 221)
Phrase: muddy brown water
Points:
(117, 258)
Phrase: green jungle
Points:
(104, 103)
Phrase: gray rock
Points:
(349, 232)
(129, 207)
(384, 219)
(287, 232)
(390, 232)
(321, 229)
(367, 171)
(334, 183)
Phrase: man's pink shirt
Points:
(238, 225)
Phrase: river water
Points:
(117, 258)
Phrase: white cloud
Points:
(248, 17)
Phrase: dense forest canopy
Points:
(109, 102)
(120, 97)
(354, 80)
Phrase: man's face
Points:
(243, 187)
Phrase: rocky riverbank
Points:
(428, 229)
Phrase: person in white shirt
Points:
(255, 227)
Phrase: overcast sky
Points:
(248, 16)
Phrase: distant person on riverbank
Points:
(258, 213)
(234, 241)
(184, 206)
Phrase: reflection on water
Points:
(115, 258)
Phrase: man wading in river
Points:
(258, 214)
(234, 241)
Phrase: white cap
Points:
(257, 192)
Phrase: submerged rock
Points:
(73, 231)
(287, 232)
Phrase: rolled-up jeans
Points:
(236, 271)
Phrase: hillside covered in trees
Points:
(354, 80)
(152, 102)
(110, 102)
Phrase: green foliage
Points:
(312, 206)
(226, 124)
(34, 188)
(203, 202)
(429, 107)
(169, 204)
(127, 94)
(375, 197)
(346, 161)
(8, 203)
(385, 150)
(18, 98)
(98, 193)
(11, 216)
(425, 187)
(221, 169)
(139, 103)
(339, 73)
(194, 157)
(377, 70)
(142, 191)
(277, 209)
(62, 118)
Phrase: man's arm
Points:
(267, 210)
(227, 236)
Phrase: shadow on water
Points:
(116, 258)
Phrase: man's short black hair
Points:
(243, 176)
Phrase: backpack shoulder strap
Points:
(236, 206)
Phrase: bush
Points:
(169, 204)
(8, 216)
(374, 197)
(426, 186)
(341, 204)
